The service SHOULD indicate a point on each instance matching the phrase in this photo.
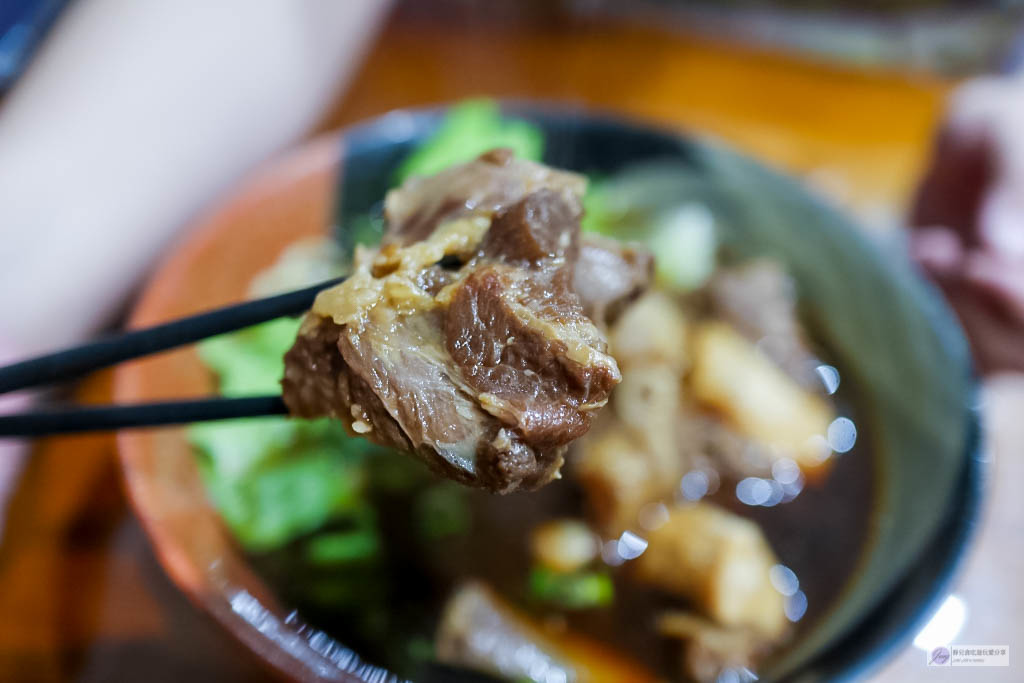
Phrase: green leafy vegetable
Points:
(468, 130)
(250, 361)
(600, 215)
(441, 510)
(420, 648)
(344, 547)
(363, 229)
(575, 590)
(275, 479)
(646, 204)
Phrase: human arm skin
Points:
(133, 118)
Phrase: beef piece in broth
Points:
(481, 631)
(759, 300)
(610, 275)
(718, 561)
(486, 371)
(639, 450)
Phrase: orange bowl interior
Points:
(211, 267)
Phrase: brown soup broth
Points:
(388, 611)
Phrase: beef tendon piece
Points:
(759, 300)
(753, 396)
(641, 448)
(652, 330)
(618, 477)
(480, 631)
(469, 347)
(639, 451)
(718, 561)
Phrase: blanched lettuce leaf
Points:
(468, 130)
(274, 479)
(251, 361)
(287, 497)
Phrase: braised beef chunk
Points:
(486, 185)
(542, 225)
(609, 275)
(321, 379)
(513, 345)
(467, 347)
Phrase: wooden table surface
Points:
(81, 596)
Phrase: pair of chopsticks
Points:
(73, 363)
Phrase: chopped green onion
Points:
(576, 590)
(685, 242)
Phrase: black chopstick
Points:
(100, 418)
(75, 362)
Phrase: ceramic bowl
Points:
(893, 337)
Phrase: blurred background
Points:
(122, 121)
